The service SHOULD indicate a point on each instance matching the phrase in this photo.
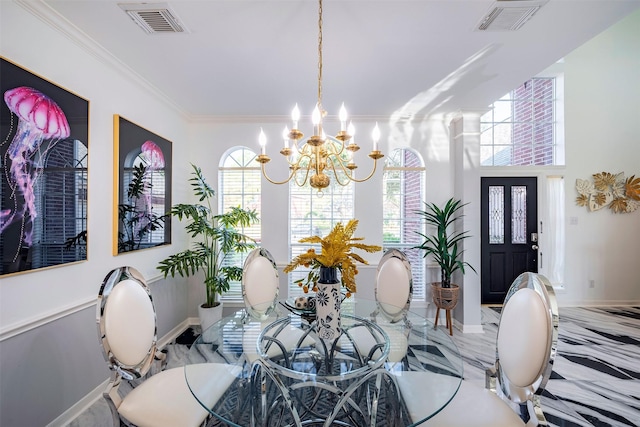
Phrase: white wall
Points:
(602, 96)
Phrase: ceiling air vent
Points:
(153, 18)
(509, 15)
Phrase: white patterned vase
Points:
(328, 299)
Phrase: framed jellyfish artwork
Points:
(44, 133)
(143, 199)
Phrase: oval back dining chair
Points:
(260, 290)
(394, 285)
(525, 351)
(526, 344)
(260, 284)
(393, 292)
(126, 320)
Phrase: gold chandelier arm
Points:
(335, 174)
(304, 181)
(333, 144)
(348, 173)
(264, 173)
(300, 152)
(375, 164)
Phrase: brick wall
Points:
(532, 136)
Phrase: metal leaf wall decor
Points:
(620, 194)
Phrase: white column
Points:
(465, 155)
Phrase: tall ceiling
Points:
(409, 58)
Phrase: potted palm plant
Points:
(218, 237)
(443, 246)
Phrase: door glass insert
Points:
(496, 215)
(519, 214)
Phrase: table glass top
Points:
(284, 355)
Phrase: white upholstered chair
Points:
(393, 292)
(525, 351)
(393, 286)
(127, 329)
(260, 284)
(260, 293)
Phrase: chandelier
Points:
(311, 160)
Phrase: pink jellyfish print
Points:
(39, 119)
(152, 155)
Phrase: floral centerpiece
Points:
(336, 252)
(335, 256)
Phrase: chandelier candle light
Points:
(320, 153)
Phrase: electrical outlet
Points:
(592, 283)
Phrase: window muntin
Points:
(240, 185)
(402, 194)
(520, 129)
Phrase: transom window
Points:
(240, 185)
(521, 129)
(402, 192)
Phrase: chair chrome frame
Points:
(394, 317)
(120, 369)
(522, 395)
(252, 311)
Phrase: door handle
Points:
(534, 247)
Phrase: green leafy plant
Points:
(443, 246)
(218, 236)
(137, 219)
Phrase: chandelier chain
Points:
(320, 56)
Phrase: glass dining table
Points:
(280, 373)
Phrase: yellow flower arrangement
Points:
(336, 251)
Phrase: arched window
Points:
(314, 214)
(240, 185)
(403, 194)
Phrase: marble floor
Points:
(596, 374)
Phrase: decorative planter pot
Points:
(209, 315)
(446, 298)
(328, 299)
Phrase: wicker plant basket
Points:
(446, 298)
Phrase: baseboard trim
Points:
(471, 329)
(174, 333)
(82, 405)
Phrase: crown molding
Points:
(41, 10)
